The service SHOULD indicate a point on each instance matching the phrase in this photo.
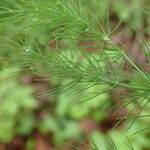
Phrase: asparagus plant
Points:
(73, 40)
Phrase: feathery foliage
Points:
(72, 40)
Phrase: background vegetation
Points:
(74, 74)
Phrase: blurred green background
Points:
(32, 118)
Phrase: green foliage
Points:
(132, 12)
(81, 105)
(16, 103)
(71, 41)
(118, 140)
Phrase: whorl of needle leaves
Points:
(69, 39)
